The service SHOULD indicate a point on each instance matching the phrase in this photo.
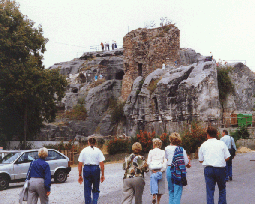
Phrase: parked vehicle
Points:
(15, 164)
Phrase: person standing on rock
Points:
(102, 45)
(230, 142)
(213, 154)
(91, 157)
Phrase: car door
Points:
(56, 160)
(22, 165)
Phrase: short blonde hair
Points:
(43, 152)
(157, 143)
(175, 138)
(137, 147)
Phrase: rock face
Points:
(161, 98)
(174, 95)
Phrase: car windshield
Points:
(9, 158)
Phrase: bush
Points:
(193, 137)
(153, 85)
(117, 113)
(145, 138)
(240, 133)
(117, 145)
(165, 140)
(61, 146)
(224, 83)
(78, 112)
(97, 83)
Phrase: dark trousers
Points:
(228, 169)
(215, 175)
(91, 177)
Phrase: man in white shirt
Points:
(213, 154)
(229, 141)
(91, 157)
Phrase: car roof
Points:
(17, 151)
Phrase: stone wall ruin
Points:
(145, 50)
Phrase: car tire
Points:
(60, 176)
(4, 182)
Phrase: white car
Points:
(15, 164)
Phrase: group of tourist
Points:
(105, 46)
(169, 164)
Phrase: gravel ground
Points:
(240, 190)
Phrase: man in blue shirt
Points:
(229, 141)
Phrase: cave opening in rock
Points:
(119, 75)
(140, 69)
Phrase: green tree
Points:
(28, 92)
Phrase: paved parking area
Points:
(239, 191)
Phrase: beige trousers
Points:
(36, 189)
(133, 187)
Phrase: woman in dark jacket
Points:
(40, 179)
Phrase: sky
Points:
(225, 28)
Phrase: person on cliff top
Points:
(91, 157)
(102, 45)
(113, 44)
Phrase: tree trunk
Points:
(25, 127)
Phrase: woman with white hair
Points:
(40, 179)
(157, 165)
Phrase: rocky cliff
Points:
(164, 100)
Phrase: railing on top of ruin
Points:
(229, 61)
(99, 47)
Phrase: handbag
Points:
(155, 165)
(232, 151)
(184, 180)
(23, 196)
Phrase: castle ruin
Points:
(145, 50)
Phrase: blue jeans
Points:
(175, 191)
(228, 169)
(215, 175)
(91, 177)
(154, 182)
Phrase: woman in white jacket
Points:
(157, 164)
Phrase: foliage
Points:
(97, 83)
(224, 82)
(28, 92)
(117, 113)
(100, 143)
(63, 146)
(193, 137)
(153, 85)
(240, 133)
(145, 138)
(78, 112)
(117, 145)
(165, 140)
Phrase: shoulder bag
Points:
(23, 196)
